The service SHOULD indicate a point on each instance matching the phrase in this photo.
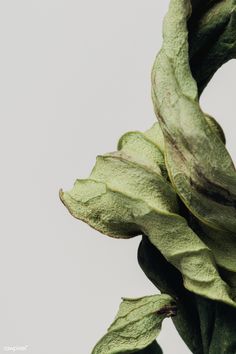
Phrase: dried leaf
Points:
(136, 325)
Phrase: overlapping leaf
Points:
(137, 189)
(126, 195)
(212, 34)
(168, 280)
(198, 163)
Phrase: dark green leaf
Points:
(153, 348)
(224, 332)
(169, 280)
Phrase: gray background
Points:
(74, 76)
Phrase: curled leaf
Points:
(126, 196)
(212, 42)
(199, 166)
(175, 184)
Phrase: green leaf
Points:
(136, 325)
(169, 280)
(206, 311)
(124, 198)
(188, 251)
(222, 244)
(211, 39)
(199, 166)
(223, 339)
(144, 148)
(218, 325)
(153, 348)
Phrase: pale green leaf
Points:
(125, 198)
(189, 249)
(199, 166)
(136, 325)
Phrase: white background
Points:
(74, 76)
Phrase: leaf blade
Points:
(137, 325)
(199, 166)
